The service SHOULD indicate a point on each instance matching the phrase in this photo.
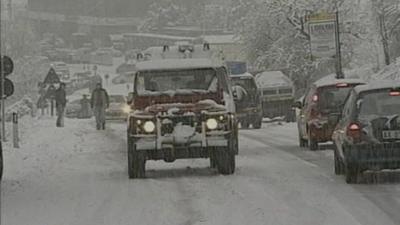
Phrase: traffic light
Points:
(6, 68)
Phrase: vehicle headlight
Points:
(126, 109)
(149, 126)
(212, 124)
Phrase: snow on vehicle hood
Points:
(184, 108)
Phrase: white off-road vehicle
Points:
(181, 108)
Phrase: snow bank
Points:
(23, 107)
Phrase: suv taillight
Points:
(315, 98)
(354, 131)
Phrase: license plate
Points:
(391, 134)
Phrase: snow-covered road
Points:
(78, 176)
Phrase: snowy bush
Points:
(23, 107)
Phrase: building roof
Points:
(161, 36)
(171, 64)
(173, 52)
(221, 39)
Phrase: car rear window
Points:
(332, 98)
(378, 104)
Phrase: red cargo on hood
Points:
(150, 102)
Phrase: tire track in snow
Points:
(386, 203)
(184, 205)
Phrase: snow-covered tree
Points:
(276, 37)
(164, 13)
(19, 38)
(387, 14)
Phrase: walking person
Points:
(99, 103)
(61, 102)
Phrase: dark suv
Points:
(248, 103)
(368, 135)
(320, 109)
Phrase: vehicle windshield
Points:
(332, 98)
(378, 104)
(117, 98)
(175, 81)
(236, 68)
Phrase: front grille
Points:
(168, 123)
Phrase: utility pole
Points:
(2, 76)
(339, 66)
(9, 9)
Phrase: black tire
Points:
(225, 161)
(245, 124)
(225, 158)
(257, 123)
(136, 161)
(312, 144)
(213, 161)
(351, 173)
(288, 118)
(303, 143)
(339, 166)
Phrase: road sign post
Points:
(339, 67)
(15, 130)
(325, 38)
(3, 106)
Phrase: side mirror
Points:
(297, 104)
(131, 97)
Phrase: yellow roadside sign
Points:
(320, 17)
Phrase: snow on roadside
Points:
(52, 145)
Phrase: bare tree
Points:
(388, 20)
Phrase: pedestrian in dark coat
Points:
(99, 102)
(61, 102)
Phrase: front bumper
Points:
(199, 141)
(373, 156)
(183, 132)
